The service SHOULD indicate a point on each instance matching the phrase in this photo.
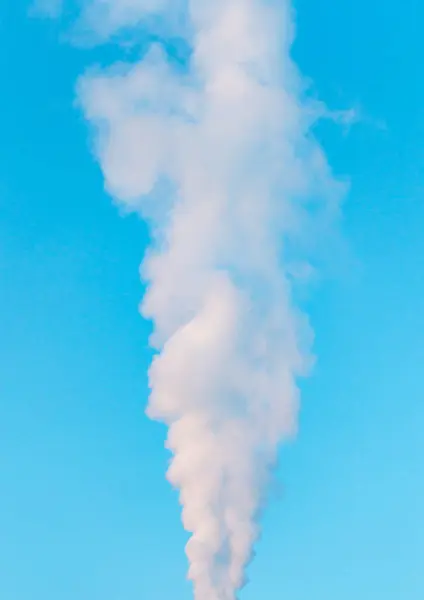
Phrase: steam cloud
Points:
(220, 158)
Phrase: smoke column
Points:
(219, 157)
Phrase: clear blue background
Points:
(85, 511)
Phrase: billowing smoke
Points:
(218, 155)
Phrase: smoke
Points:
(219, 156)
(46, 8)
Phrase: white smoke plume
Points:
(219, 156)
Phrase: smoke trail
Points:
(224, 149)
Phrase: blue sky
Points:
(85, 511)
